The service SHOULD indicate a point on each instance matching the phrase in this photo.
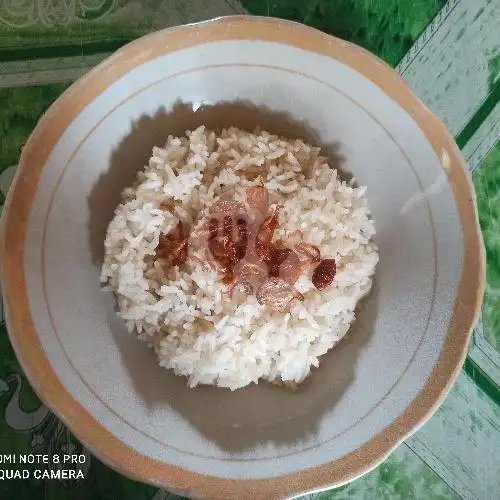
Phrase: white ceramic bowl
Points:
(379, 385)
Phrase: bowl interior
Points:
(366, 381)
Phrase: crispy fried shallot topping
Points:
(258, 198)
(308, 253)
(277, 294)
(226, 207)
(172, 247)
(324, 273)
(240, 245)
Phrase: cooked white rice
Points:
(187, 316)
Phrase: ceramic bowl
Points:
(375, 388)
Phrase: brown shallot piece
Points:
(277, 294)
(308, 253)
(251, 271)
(291, 268)
(172, 247)
(277, 256)
(324, 273)
(226, 207)
(227, 242)
(265, 235)
(258, 198)
(241, 247)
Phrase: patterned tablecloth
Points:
(449, 52)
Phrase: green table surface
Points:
(449, 52)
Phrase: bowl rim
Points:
(86, 428)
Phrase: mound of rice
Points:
(196, 328)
